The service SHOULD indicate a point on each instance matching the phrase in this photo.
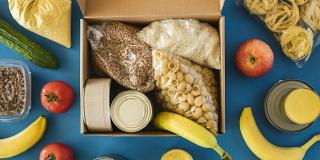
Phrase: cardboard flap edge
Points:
(136, 8)
(83, 5)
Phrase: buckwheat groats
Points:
(117, 51)
(12, 91)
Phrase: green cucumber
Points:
(25, 47)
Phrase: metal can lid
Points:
(131, 111)
(302, 106)
(274, 109)
(111, 157)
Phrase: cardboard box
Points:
(143, 12)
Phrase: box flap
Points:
(82, 4)
(147, 10)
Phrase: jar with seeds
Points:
(15, 90)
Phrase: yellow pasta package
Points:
(294, 23)
(187, 89)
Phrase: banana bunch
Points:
(189, 130)
(262, 148)
(24, 140)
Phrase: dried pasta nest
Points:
(283, 16)
(301, 2)
(297, 42)
(187, 89)
(310, 13)
(260, 7)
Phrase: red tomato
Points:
(56, 151)
(57, 97)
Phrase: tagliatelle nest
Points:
(310, 13)
(283, 16)
(301, 2)
(260, 7)
(297, 42)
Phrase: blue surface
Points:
(240, 91)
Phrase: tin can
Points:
(274, 105)
(111, 157)
(131, 111)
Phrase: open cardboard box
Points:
(143, 12)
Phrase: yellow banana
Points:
(262, 148)
(24, 140)
(189, 130)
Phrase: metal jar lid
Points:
(302, 106)
(131, 111)
(274, 102)
(111, 157)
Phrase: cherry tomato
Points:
(56, 151)
(57, 97)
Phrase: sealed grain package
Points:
(189, 38)
(294, 23)
(116, 51)
(186, 88)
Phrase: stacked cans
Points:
(96, 111)
(279, 114)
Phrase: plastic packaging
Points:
(189, 38)
(120, 54)
(294, 23)
(186, 88)
(15, 103)
(49, 18)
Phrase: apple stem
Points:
(253, 60)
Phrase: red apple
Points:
(254, 58)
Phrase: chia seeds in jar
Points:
(15, 91)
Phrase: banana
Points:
(262, 148)
(189, 130)
(24, 140)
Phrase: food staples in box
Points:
(15, 90)
(97, 13)
(294, 23)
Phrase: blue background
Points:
(240, 91)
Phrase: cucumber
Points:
(25, 47)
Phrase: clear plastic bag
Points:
(120, 54)
(189, 38)
(186, 88)
(294, 23)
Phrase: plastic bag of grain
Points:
(119, 53)
(186, 88)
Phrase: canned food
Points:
(111, 157)
(131, 111)
(96, 105)
(275, 105)
(176, 154)
(302, 106)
